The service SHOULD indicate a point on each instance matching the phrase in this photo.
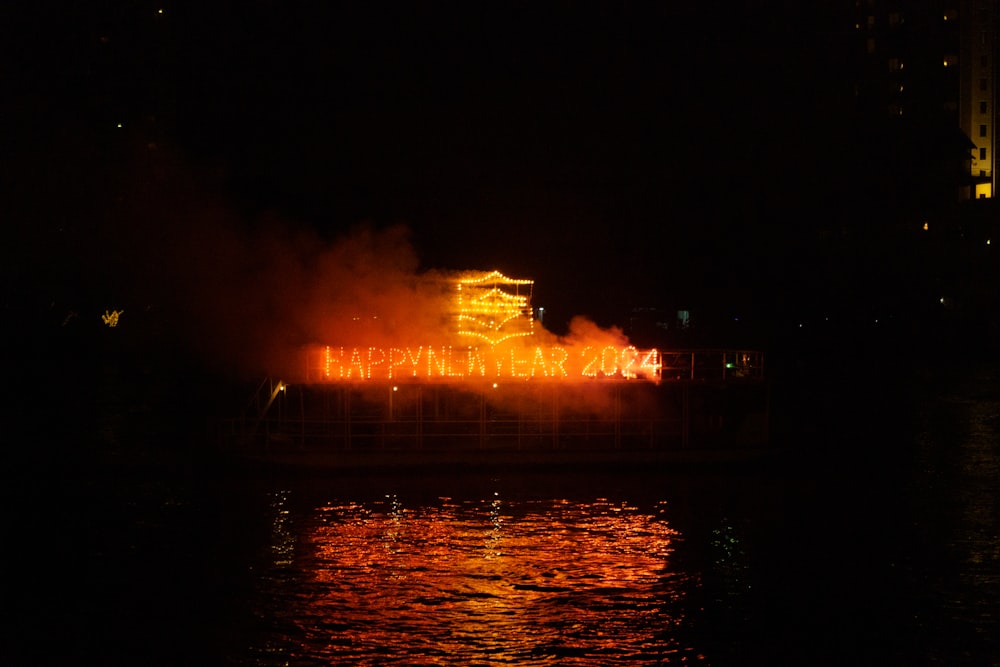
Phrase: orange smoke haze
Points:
(251, 300)
(247, 301)
(484, 330)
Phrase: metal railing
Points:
(700, 392)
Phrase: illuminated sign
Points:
(493, 308)
(429, 362)
(492, 316)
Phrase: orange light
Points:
(495, 312)
(443, 362)
(491, 307)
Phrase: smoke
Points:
(246, 297)
(249, 299)
(584, 332)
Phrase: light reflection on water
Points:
(874, 549)
(885, 553)
(487, 581)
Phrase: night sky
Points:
(239, 179)
(669, 155)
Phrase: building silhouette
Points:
(926, 90)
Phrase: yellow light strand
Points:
(111, 319)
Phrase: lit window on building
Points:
(982, 153)
(870, 45)
(895, 64)
(894, 19)
(871, 22)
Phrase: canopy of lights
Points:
(493, 337)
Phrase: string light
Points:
(440, 362)
(494, 310)
(111, 319)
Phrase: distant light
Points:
(494, 385)
(987, 241)
(945, 62)
(925, 226)
(111, 319)
(159, 11)
(395, 388)
(942, 299)
(119, 125)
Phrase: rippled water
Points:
(868, 550)
(488, 581)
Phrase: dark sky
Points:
(619, 153)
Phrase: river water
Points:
(862, 546)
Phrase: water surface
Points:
(865, 547)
